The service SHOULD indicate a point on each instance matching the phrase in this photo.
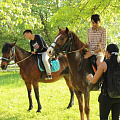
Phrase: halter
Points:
(11, 56)
(67, 45)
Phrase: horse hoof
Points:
(69, 106)
(29, 110)
(38, 111)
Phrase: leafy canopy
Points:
(44, 16)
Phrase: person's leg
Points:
(104, 106)
(100, 58)
(104, 111)
(45, 59)
(116, 111)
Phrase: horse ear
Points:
(4, 43)
(67, 30)
(59, 29)
(13, 44)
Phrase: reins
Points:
(21, 60)
(78, 49)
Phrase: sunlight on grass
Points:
(54, 98)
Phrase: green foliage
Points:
(44, 16)
(76, 16)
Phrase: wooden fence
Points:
(13, 67)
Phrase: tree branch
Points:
(106, 6)
(45, 26)
(84, 6)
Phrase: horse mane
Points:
(6, 48)
(22, 50)
(79, 44)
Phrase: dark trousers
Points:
(108, 104)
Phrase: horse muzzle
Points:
(4, 67)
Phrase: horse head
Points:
(8, 51)
(66, 41)
(61, 42)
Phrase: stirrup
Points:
(48, 77)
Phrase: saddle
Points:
(92, 60)
(54, 63)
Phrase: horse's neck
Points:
(20, 54)
(75, 58)
(77, 62)
(76, 43)
(77, 50)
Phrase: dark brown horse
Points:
(79, 67)
(30, 72)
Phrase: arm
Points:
(42, 44)
(88, 54)
(32, 49)
(101, 69)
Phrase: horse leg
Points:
(87, 98)
(36, 90)
(80, 102)
(71, 103)
(29, 89)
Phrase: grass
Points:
(54, 98)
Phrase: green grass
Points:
(54, 98)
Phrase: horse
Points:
(31, 73)
(68, 42)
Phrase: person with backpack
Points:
(109, 98)
(38, 43)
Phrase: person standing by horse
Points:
(37, 42)
(96, 42)
(107, 103)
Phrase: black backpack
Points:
(113, 81)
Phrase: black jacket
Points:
(39, 44)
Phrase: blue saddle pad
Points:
(55, 65)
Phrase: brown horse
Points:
(30, 72)
(79, 67)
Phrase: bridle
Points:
(12, 57)
(67, 45)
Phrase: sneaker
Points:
(48, 77)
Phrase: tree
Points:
(44, 16)
(76, 15)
